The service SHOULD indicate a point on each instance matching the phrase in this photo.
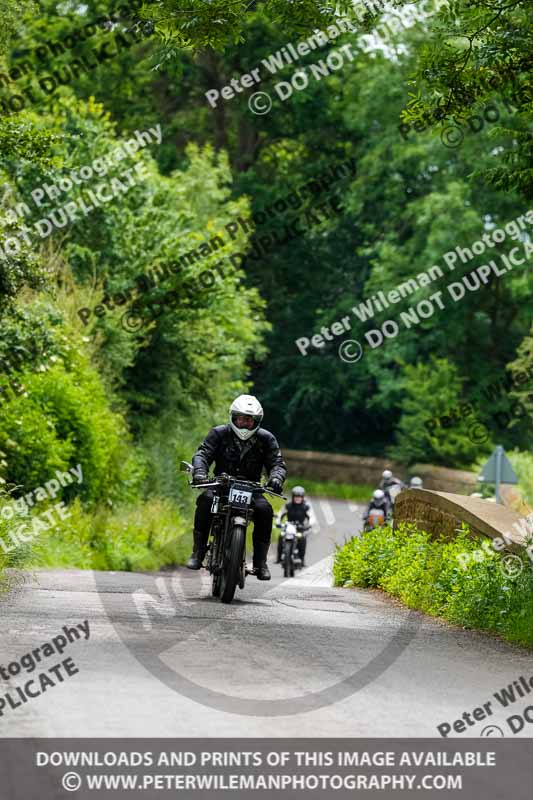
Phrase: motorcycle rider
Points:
(388, 482)
(379, 501)
(242, 449)
(416, 483)
(299, 512)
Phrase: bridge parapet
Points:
(441, 513)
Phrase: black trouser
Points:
(262, 518)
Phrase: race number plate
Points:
(238, 497)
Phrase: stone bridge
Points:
(441, 513)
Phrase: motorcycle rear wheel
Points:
(233, 564)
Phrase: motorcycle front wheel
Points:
(288, 564)
(215, 564)
(233, 562)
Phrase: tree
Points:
(219, 23)
(430, 392)
(521, 370)
(478, 50)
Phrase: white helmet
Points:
(378, 494)
(250, 406)
(416, 483)
(387, 475)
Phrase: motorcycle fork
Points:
(216, 545)
(246, 515)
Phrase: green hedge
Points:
(64, 418)
(342, 491)
(425, 573)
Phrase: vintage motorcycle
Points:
(232, 509)
(291, 533)
(376, 517)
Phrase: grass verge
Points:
(144, 536)
(341, 491)
(425, 573)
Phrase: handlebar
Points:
(224, 479)
(299, 526)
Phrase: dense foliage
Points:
(442, 578)
(376, 197)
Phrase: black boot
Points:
(198, 554)
(261, 569)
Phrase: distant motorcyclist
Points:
(297, 510)
(416, 483)
(391, 485)
(388, 480)
(379, 502)
(242, 449)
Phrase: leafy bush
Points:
(425, 573)
(31, 443)
(77, 406)
(523, 464)
(64, 418)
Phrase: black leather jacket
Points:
(242, 459)
(379, 505)
(296, 512)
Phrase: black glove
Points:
(276, 485)
(199, 476)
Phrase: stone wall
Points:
(366, 470)
(338, 468)
(441, 513)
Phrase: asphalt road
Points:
(290, 657)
